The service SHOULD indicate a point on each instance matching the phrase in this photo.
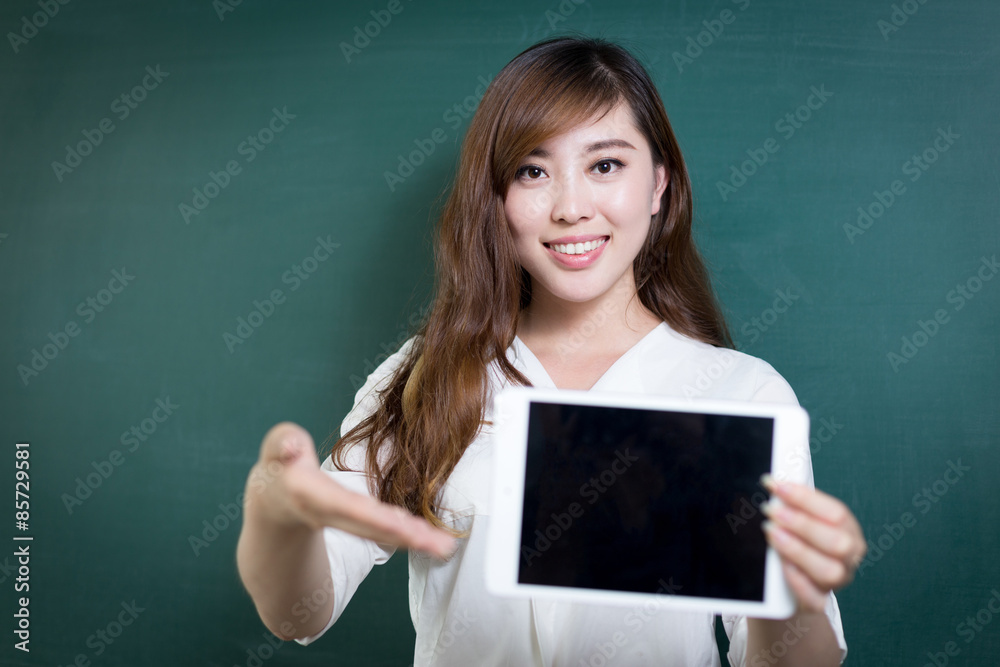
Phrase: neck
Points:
(615, 320)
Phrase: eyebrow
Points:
(592, 148)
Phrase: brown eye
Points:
(607, 166)
(529, 172)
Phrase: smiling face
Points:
(580, 207)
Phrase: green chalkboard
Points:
(216, 215)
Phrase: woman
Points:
(565, 259)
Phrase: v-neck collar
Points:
(539, 377)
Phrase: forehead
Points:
(599, 131)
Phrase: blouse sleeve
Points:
(770, 387)
(351, 557)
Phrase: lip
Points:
(578, 261)
(577, 239)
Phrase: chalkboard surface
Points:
(217, 215)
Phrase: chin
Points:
(579, 293)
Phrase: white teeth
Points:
(577, 248)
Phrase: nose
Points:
(572, 200)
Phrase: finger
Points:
(810, 500)
(286, 443)
(807, 499)
(835, 541)
(825, 572)
(330, 504)
(850, 546)
(810, 598)
(394, 525)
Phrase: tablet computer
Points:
(612, 498)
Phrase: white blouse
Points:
(459, 623)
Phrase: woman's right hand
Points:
(287, 489)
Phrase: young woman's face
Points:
(580, 207)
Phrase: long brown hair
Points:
(433, 405)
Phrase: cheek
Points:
(517, 209)
(630, 205)
(513, 220)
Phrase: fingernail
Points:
(446, 552)
(767, 481)
(767, 508)
(289, 448)
(774, 532)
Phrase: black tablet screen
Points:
(645, 501)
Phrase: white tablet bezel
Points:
(791, 429)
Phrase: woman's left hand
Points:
(818, 538)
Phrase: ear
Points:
(662, 179)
